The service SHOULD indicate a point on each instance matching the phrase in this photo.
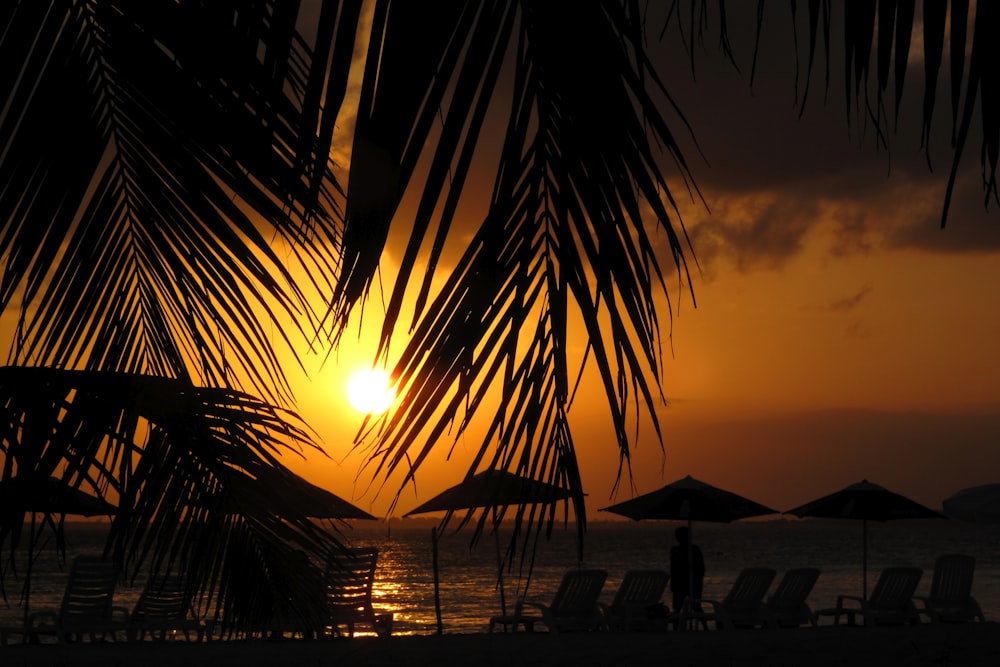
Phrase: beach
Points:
(968, 644)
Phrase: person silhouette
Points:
(687, 569)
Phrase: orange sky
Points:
(839, 333)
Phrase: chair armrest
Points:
(519, 608)
(718, 613)
(852, 598)
(50, 617)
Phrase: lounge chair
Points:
(574, 606)
(743, 606)
(787, 606)
(891, 601)
(163, 611)
(87, 608)
(640, 592)
(349, 594)
(950, 599)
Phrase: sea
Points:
(469, 590)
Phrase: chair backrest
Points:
(895, 588)
(793, 589)
(750, 587)
(89, 592)
(578, 592)
(350, 579)
(640, 587)
(162, 599)
(952, 582)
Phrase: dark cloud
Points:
(826, 174)
(852, 301)
(752, 233)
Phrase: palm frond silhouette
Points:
(173, 223)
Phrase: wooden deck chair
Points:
(950, 599)
(636, 601)
(574, 606)
(787, 606)
(891, 601)
(349, 594)
(164, 611)
(87, 608)
(743, 606)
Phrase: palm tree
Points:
(169, 200)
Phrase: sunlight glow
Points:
(370, 391)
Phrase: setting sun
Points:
(370, 391)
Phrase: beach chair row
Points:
(164, 610)
(88, 611)
(893, 601)
(637, 603)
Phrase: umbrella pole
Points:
(864, 559)
(687, 605)
(437, 579)
(27, 576)
(690, 562)
(496, 534)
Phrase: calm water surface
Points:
(470, 595)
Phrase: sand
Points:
(971, 644)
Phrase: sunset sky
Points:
(839, 333)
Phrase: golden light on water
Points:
(370, 391)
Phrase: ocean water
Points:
(468, 588)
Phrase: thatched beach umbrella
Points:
(50, 497)
(283, 492)
(689, 499)
(488, 489)
(868, 502)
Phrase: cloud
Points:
(851, 301)
(775, 182)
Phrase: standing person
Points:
(687, 569)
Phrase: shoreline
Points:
(925, 644)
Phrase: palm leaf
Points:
(889, 23)
(189, 469)
(565, 234)
(196, 141)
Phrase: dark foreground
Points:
(973, 644)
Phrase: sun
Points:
(370, 391)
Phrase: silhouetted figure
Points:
(687, 568)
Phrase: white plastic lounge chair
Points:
(87, 608)
(787, 606)
(891, 601)
(349, 594)
(164, 611)
(950, 599)
(639, 591)
(743, 606)
(574, 606)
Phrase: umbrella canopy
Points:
(489, 488)
(864, 501)
(978, 504)
(492, 488)
(284, 493)
(689, 500)
(52, 496)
